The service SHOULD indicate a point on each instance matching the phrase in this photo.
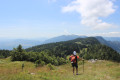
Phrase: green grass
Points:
(101, 70)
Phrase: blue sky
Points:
(29, 19)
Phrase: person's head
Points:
(74, 52)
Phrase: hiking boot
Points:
(76, 73)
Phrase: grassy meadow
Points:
(100, 70)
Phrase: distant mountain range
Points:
(63, 38)
(13, 43)
(112, 38)
(113, 42)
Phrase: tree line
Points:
(88, 48)
(43, 57)
(57, 53)
(4, 53)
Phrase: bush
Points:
(42, 63)
(80, 62)
(39, 63)
(55, 63)
(39, 58)
(61, 60)
(50, 66)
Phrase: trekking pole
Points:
(22, 66)
(83, 60)
(83, 65)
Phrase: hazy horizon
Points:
(46, 38)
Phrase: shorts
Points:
(75, 65)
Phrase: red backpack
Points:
(73, 59)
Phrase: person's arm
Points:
(79, 58)
(70, 58)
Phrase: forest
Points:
(58, 53)
(4, 53)
(87, 48)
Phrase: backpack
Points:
(73, 59)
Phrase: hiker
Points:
(74, 59)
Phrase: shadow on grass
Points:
(78, 74)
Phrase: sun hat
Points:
(74, 52)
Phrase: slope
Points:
(113, 44)
(89, 48)
(100, 70)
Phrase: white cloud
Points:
(91, 11)
(109, 34)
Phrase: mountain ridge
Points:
(89, 48)
(113, 44)
(12, 43)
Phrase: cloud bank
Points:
(91, 11)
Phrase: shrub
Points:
(39, 63)
(80, 62)
(50, 66)
(42, 63)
